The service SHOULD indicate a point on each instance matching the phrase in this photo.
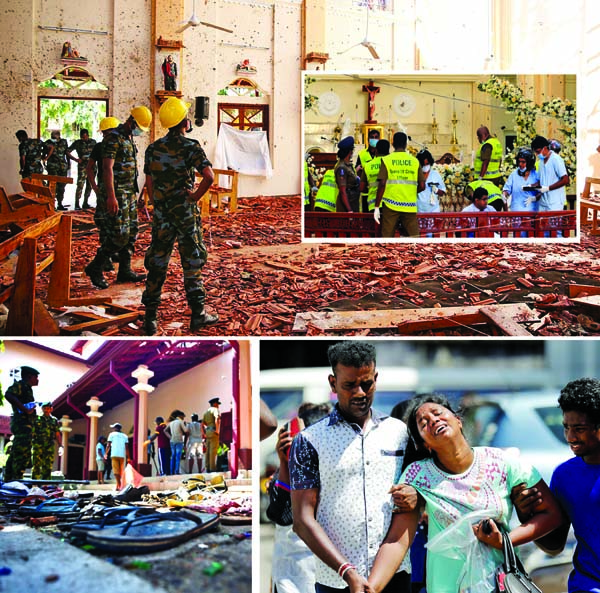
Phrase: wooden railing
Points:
(502, 225)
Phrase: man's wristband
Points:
(283, 485)
(344, 568)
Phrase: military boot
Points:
(200, 318)
(125, 273)
(150, 326)
(94, 271)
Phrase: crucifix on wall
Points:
(372, 90)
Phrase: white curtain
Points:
(244, 151)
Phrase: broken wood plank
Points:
(99, 324)
(60, 277)
(20, 313)
(590, 301)
(43, 323)
(505, 317)
(33, 231)
(410, 319)
(587, 289)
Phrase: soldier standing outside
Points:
(57, 163)
(169, 166)
(31, 154)
(83, 147)
(45, 434)
(211, 429)
(118, 191)
(20, 396)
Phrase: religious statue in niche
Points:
(70, 53)
(244, 67)
(169, 70)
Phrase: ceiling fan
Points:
(194, 21)
(365, 42)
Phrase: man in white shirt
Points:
(117, 449)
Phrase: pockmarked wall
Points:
(115, 37)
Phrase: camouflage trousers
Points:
(120, 231)
(175, 221)
(20, 454)
(82, 181)
(100, 215)
(60, 187)
(42, 457)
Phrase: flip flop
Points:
(153, 532)
(65, 508)
(108, 518)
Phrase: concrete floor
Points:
(41, 560)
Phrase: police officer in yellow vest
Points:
(368, 176)
(327, 193)
(400, 179)
(489, 157)
(308, 185)
(366, 155)
(495, 197)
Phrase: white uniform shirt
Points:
(550, 171)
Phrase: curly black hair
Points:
(351, 353)
(582, 395)
(411, 417)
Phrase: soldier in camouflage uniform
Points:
(170, 166)
(118, 192)
(31, 154)
(94, 165)
(57, 163)
(20, 397)
(45, 434)
(84, 147)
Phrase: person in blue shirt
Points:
(576, 485)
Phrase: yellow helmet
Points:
(172, 112)
(142, 117)
(108, 123)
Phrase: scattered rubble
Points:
(260, 277)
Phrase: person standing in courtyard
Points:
(211, 430)
(20, 396)
(45, 436)
(117, 450)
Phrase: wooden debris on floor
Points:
(406, 321)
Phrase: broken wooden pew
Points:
(506, 318)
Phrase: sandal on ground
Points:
(108, 518)
(64, 508)
(153, 532)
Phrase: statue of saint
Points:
(169, 70)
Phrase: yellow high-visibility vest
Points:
(401, 187)
(493, 169)
(328, 192)
(371, 170)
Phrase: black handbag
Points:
(511, 576)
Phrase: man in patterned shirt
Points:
(83, 147)
(31, 154)
(119, 193)
(45, 434)
(341, 469)
(170, 167)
